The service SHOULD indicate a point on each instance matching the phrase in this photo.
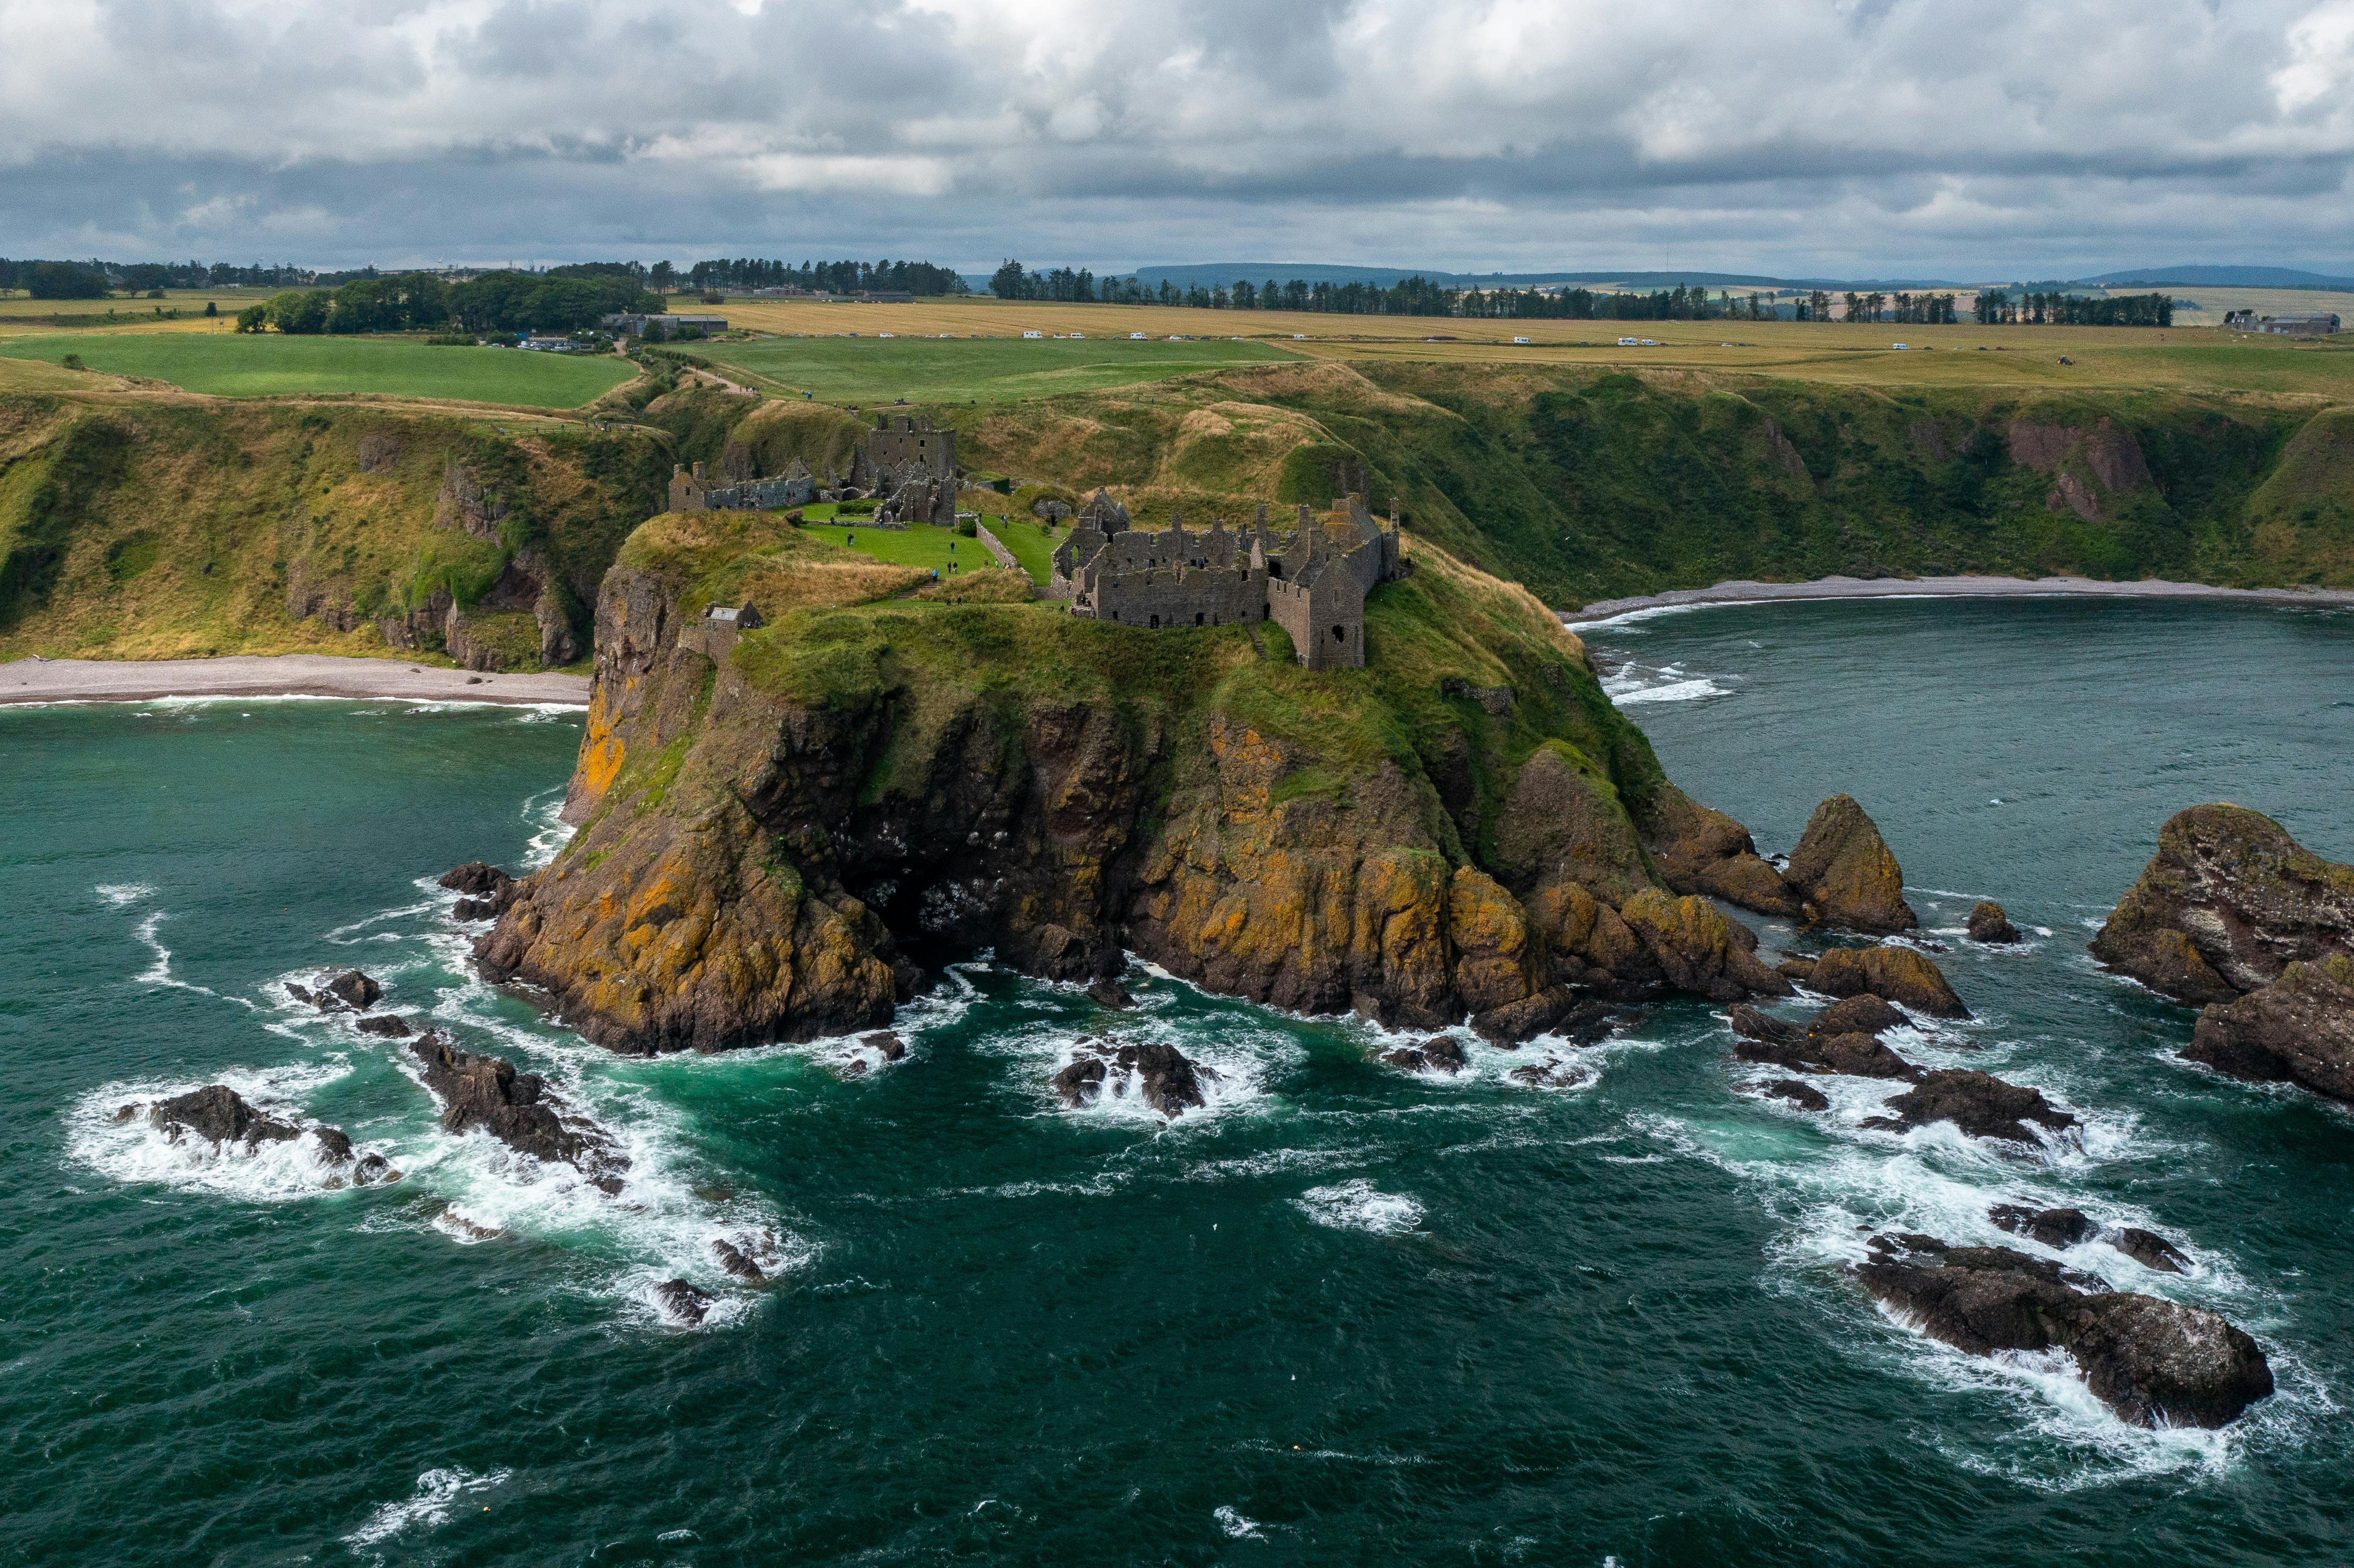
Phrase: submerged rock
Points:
(356, 990)
(1163, 1076)
(1081, 1082)
(1862, 1013)
(1989, 924)
(2151, 1361)
(1506, 1026)
(886, 1044)
(736, 1261)
(1897, 974)
(1783, 1045)
(1980, 1104)
(2055, 1228)
(477, 880)
(1106, 991)
(683, 1302)
(219, 1113)
(1437, 1055)
(1805, 1095)
(2299, 1029)
(1550, 1074)
(1843, 869)
(2225, 905)
(2152, 1250)
(517, 1109)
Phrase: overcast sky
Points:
(1849, 137)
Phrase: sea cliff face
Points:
(775, 827)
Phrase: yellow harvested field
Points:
(2176, 360)
(2213, 303)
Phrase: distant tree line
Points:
(1415, 296)
(1997, 307)
(563, 299)
(820, 277)
(95, 279)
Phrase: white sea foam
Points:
(1359, 1205)
(1625, 694)
(133, 1152)
(438, 1493)
(121, 893)
(1236, 1526)
(159, 974)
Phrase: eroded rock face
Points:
(1980, 1104)
(1693, 944)
(757, 856)
(2227, 903)
(2299, 1029)
(1844, 871)
(1439, 1055)
(1897, 974)
(2152, 1361)
(1698, 850)
(517, 1109)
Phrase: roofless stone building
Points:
(1311, 581)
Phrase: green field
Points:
(947, 370)
(931, 548)
(230, 364)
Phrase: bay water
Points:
(1345, 1315)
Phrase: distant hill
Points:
(1210, 274)
(2219, 278)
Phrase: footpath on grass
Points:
(1743, 591)
(39, 680)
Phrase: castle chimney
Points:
(698, 470)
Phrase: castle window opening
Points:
(1339, 634)
(1197, 618)
(1156, 623)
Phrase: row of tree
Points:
(1996, 307)
(94, 279)
(564, 298)
(817, 277)
(1415, 296)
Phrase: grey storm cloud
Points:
(1847, 135)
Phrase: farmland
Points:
(966, 369)
(2025, 358)
(236, 366)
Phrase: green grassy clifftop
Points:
(777, 829)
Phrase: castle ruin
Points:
(906, 463)
(1311, 581)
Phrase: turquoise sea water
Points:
(1347, 1315)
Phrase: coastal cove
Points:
(1343, 1312)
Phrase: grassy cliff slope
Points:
(155, 528)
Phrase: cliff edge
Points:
(778, 826)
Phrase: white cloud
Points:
(1775, 134)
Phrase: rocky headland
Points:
(2233, 915)
(779, 829)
